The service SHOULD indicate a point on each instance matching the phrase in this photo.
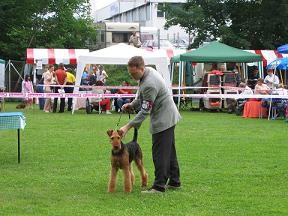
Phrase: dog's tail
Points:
(135, 136)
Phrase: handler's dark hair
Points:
(136, 61)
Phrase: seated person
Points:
(262, 89)
(246, 90)
(104, 102)
(123, 100)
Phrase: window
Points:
(159, 12)
(120, 37)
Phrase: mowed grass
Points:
(229, 166)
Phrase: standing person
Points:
(40, 89)
(93, 76)
(70, 80)
(271, 80)
(254, 75)
(27, 87)
(155, 100)
(101, 75)
(60, 77)
(135, 40)
(48, 79)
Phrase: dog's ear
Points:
(120, 132)
(109, 132)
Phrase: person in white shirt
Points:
(101, 74)
(271, 80)
(246, 89)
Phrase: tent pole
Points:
(281, 77)
(172, 72)
(179, 84)
(9, 74)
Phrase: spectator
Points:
(60, 77)
(40, 89)
(27, 87)
(254, 75)
(135, 40)
(48, 80)
(85, 78)
(93, 75)
(123, 100)
(262, 88)
(101, 74)
(70, 80)
(105, 102)
(246, 89)
(271, 79)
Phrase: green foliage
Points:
(43, 23)
(244, 24)
(229, 166)
(117, 74)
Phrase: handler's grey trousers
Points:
(165, 160)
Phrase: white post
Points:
(9, 75)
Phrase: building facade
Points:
(144, 12)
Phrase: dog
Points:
(21, 105)
(121, 158)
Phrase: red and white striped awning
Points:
(268, 55)
(54, 56)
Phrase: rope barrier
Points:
(93, 95)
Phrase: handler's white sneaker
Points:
(151, 191)
(108, 112)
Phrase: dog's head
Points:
(115, 138)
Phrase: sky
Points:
(97, 4)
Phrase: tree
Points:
(246, 24)
(43, 23)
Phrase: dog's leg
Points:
(144, 176)
(132, 175)
(112, 182)
(127, 180)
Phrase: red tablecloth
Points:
(254, 109)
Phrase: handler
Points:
(154, 98)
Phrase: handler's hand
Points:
(127, 107)
(125, 129)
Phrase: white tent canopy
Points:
(120, 55)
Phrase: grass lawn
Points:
(229, 166)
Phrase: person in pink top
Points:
(27, 87)
(262, 88)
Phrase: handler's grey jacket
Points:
(155, 99)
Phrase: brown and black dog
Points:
(121, 158)
(21, 105)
